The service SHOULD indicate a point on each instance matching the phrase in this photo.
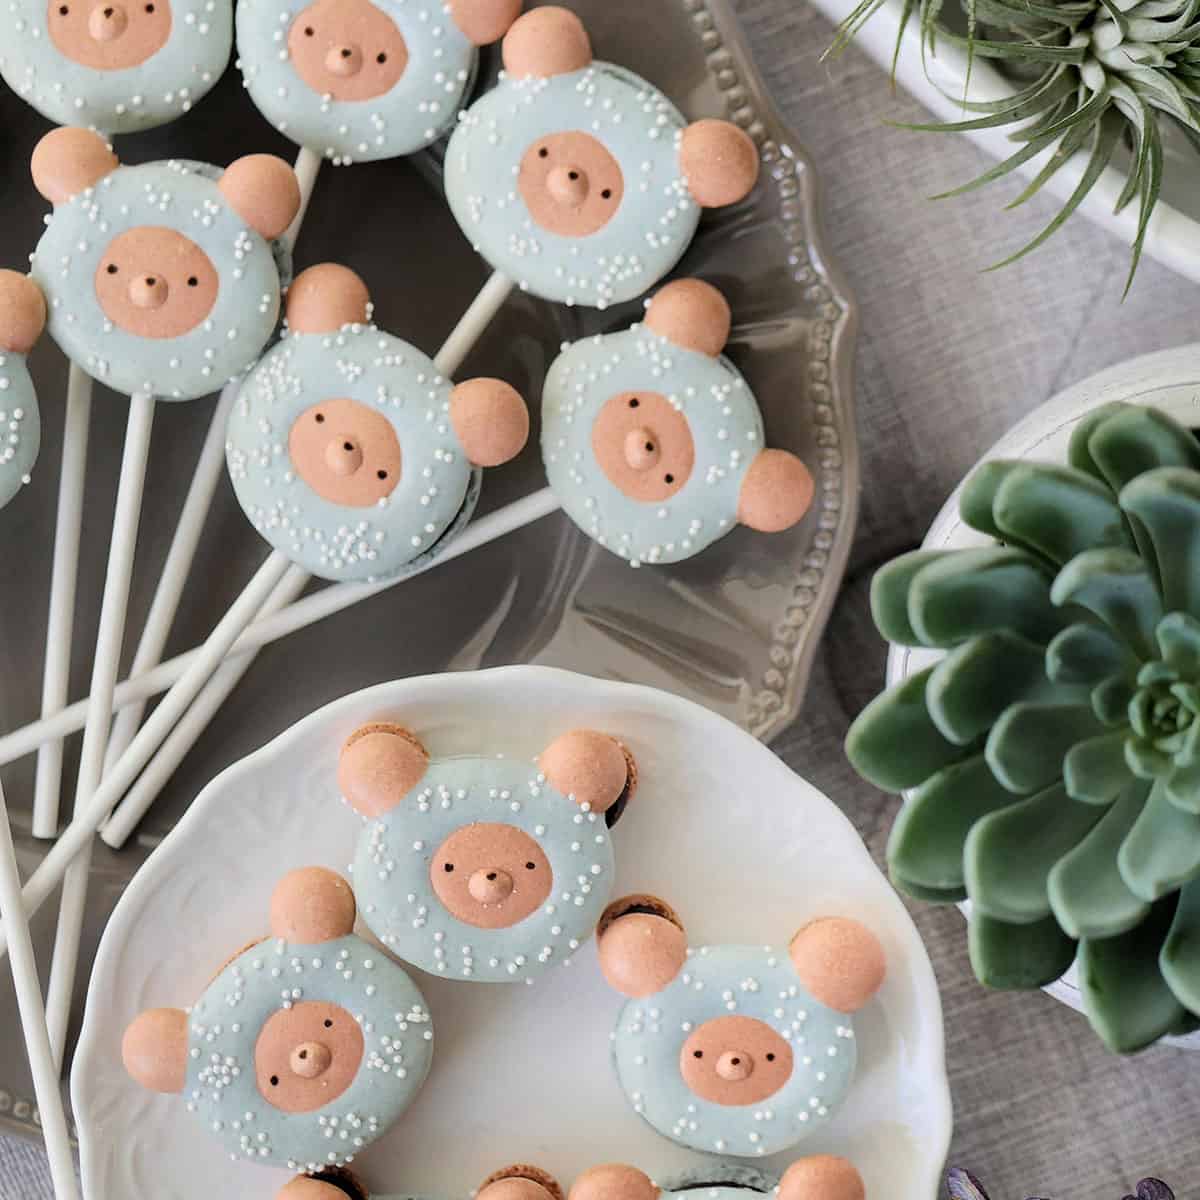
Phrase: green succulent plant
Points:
(1103, 72)
(1052, 749)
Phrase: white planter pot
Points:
(1168, 380)
(1173, 238)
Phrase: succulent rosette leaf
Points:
(1051, 751)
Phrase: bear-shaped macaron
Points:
(817, 1177)
(159, 279)
(486, 869)
(22, 319)
(653, 441)
(579, 180)
(736, 1050)
(519, 1182)
(114, 65)
(305, 1048)
(347, 449)
(359, 80)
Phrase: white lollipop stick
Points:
(100, 706)
(45, 878)
(60, 622)
(33, 1019)
(474, 322)
(182, 553)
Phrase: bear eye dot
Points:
(668, 478)
(607, 193)
(697, 1053)
(111, 268)
(193, 281)
(381, 58)
(530, 866)
(308, 31)
(274, 1080)
(149, 8)
(320, 418)
(63, 10)
(634, 402)
(770, 1058)
(383, 475)
(543, 153)
(328, 1023)
(448, 868)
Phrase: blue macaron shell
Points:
(20, 425)
(224, 1024)
(723, 418)
(397, 901)
(638, 126)
(413, 113)
(184, 198)
(748, 981)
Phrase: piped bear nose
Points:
(344, 60)
(568, 186)
(735, 1065)
(490, 886)
(641, 449)
(310, 1060)
(149, 291)
(344, 455)
(106, 22)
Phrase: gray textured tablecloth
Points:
(948, 359)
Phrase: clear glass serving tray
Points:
(735, 629)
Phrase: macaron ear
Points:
(264, 191)
(520, 1182)
(776, 492)
(379, 765)
(614, 1181)
(591, 768)
(312, 905)
(155, 1049)
(642, 945)
(692, 314)
(484, 21)
(325, 298)
(305, 1187)
(22, 312)
(840, 962)
(68, 161)
(822, 1177)
(491, 421)
(547, 41)
(719, 161)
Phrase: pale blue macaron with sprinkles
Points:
(653, 441)
(160, 279)
(348, 450)
(306, 1047)
(484, 869)
(22, 319)
(118, 66)
(816, 1177)
(360, 80)
(736, 1050)
(521, 1181)
(579, 180)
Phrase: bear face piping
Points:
(483, 869)
(735, 1050)
(119, 66)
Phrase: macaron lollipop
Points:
(653, 441)
(22, 319)
(520, 1182)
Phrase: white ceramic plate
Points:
(744, 849)
(1169, 380)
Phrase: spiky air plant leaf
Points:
(1052, 752)
(1104, 72)
(962, 1185)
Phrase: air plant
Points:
(1103, 72)
(1051, 753)
(962, 1185)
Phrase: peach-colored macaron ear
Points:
(324, 298)
(719, 161)
(520, 1182)
(264, 191)
(155, 1049)
(68, 161)
(822, 1177)
(641, 944)
(592, 768)
(692, 314)
(613, 1181)
(22, 312)
(379, 765)
(840, 961)
(484, 21)
(776, 493)
(307, 1188)
(312, 905)
(547, 41)
(491, 421)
